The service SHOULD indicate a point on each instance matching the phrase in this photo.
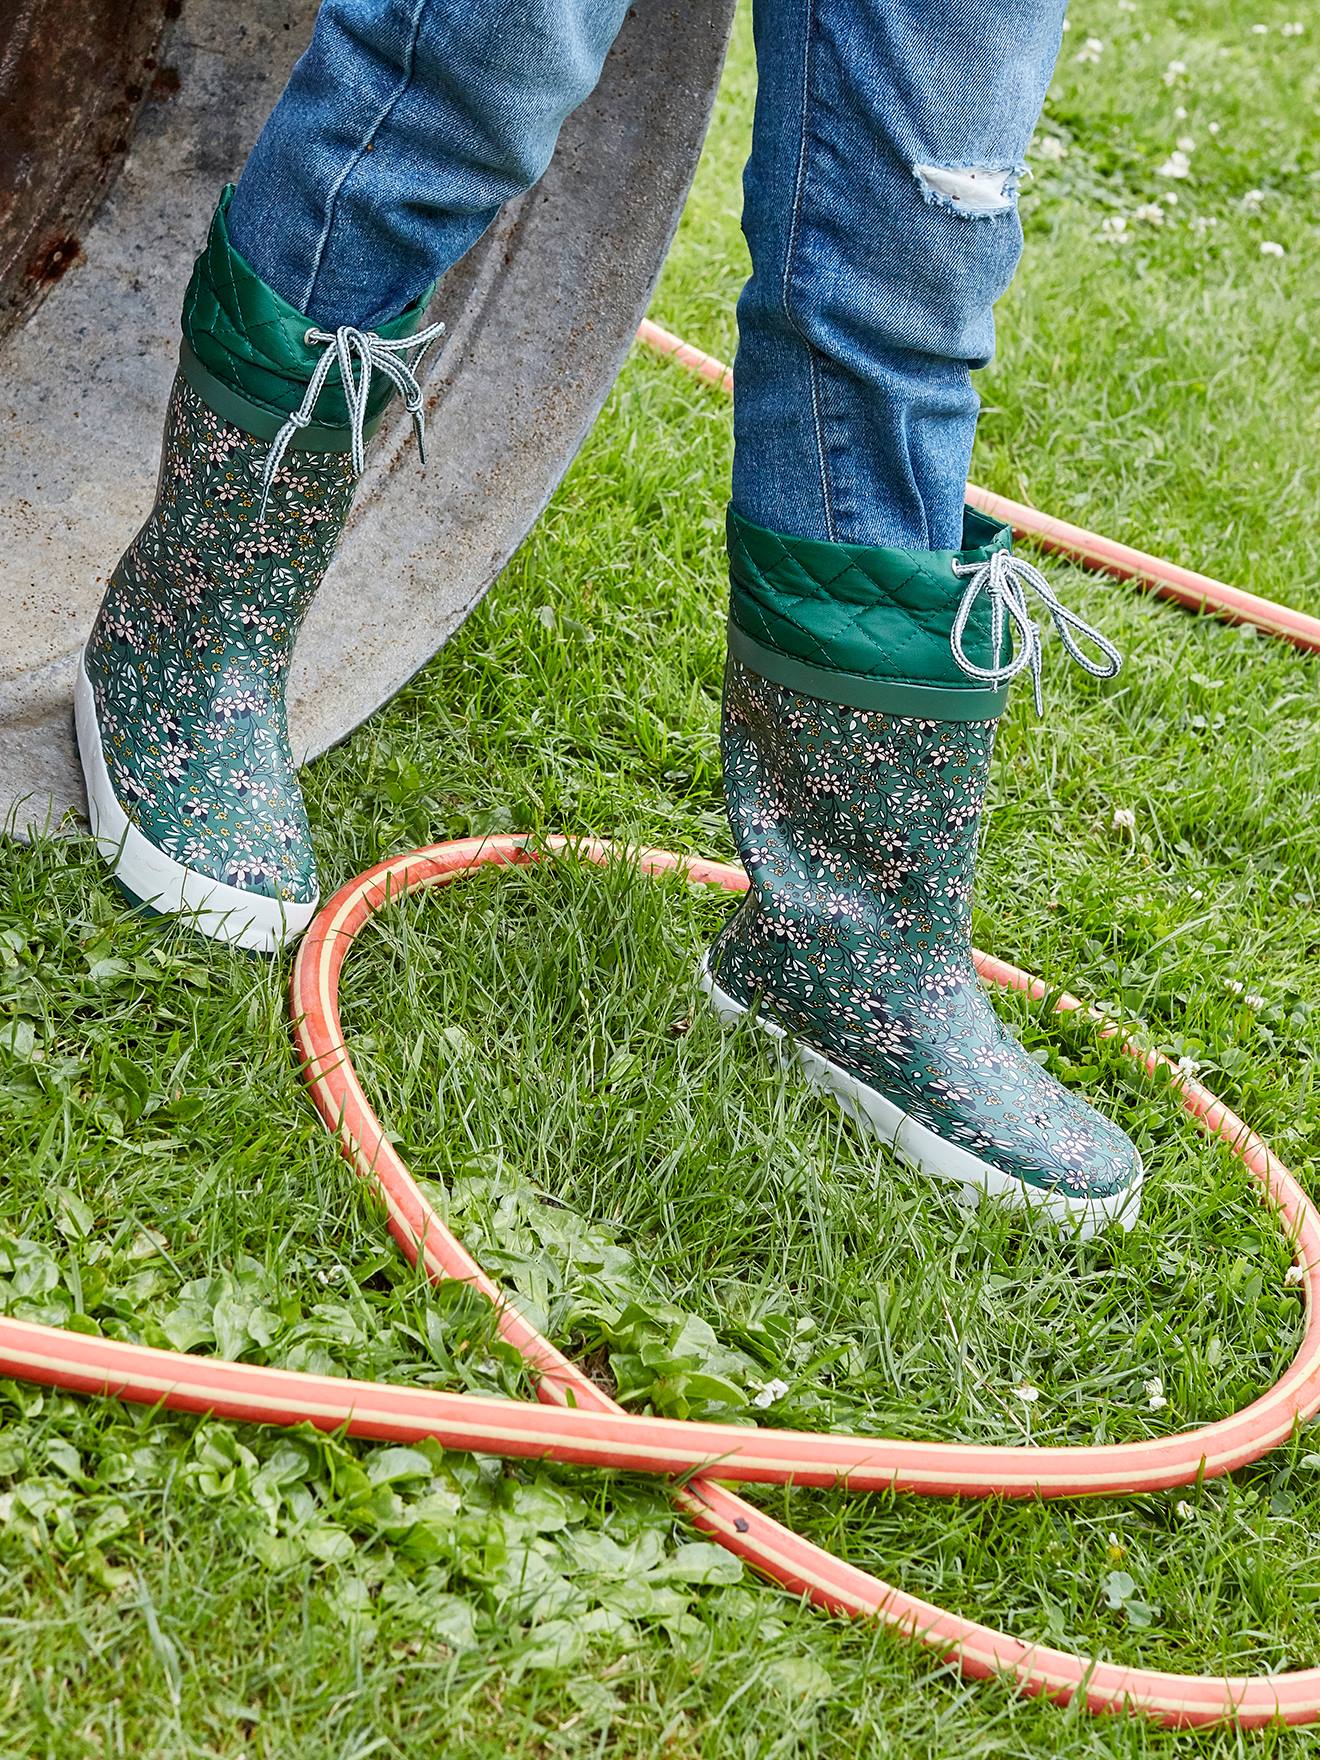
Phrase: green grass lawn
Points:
(658, 1191)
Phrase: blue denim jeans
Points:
(879, 208)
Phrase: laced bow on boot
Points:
(374, 354)
(1007, 579)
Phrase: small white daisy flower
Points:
(1155, 1400)
(767, 1395)
(1176, 165)
(1270, 247)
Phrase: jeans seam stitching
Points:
(355, 159)
(799, 187)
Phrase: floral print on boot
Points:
(188, 660)
(858, 829)
(180, 696)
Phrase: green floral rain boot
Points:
(860, 702)
(180, 697)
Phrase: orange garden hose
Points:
(1197, 592)
(577, 1423)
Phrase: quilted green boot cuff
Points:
(866, 627)
(245, 349)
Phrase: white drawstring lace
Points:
(1006, 578)
(374, 353)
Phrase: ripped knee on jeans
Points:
(976, 191)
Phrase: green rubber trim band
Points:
(263, 424)
(924, 702)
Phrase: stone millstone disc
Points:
(540, 316)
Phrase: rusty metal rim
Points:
(73, 76)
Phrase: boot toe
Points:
(1048, 1138)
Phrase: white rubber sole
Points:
(921, 1148)
(224, 913)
